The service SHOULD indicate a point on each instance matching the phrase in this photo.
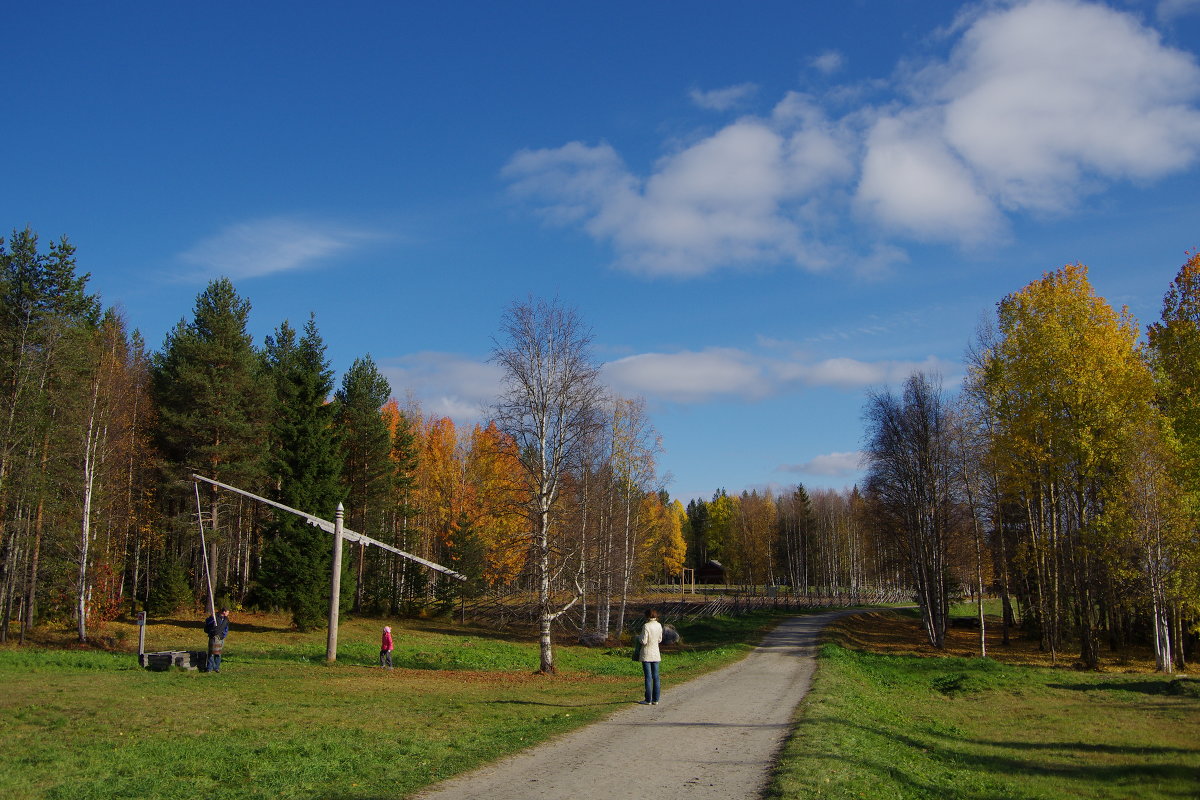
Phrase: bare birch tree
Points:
(911, 478)
(549, 397)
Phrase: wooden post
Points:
(335, 586)
(141, 623)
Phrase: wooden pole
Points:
(212, 607)
(335, 586)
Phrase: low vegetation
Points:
(279, 722)
(888, 718)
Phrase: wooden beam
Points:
(328, 527)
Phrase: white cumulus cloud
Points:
(1034, 106)
(722, 200)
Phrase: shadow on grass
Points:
(1070, 764)
(1177, 687)
(234, 627)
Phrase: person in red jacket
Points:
(385, 648)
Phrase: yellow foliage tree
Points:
(1065, 383)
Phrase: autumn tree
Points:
(1066, 385)
(665, 548)
(1174, 345)
(47, 320)
(795, 522)
(494, 480)
(1172, 567)
(551, 388)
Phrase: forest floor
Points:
(898, 632)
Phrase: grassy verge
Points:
(279, 722)
(905, 726)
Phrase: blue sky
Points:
(762, 209)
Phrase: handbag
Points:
(637, 649)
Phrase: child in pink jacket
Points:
(385, 648)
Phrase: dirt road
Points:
(714, 737)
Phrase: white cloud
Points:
(851, 373)
(446, 384)
(700, 376)
(267, 246)
(829, 62)
(723, 99)
(464, 389)
(1043, 96)
(720, 201)
(912, 182)
(830, 465)
(1037, 104)
(688, 377)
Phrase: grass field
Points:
(886, 719)
(278, 722)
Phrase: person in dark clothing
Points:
(217, 628)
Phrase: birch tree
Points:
(548, 403)
(910, 476)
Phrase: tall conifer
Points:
(306, 467)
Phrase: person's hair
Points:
(651, 613)
(224, 610)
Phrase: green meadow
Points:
(279, 722)
(885, 725)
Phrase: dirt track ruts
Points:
(713, 737)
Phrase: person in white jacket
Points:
(651, 658)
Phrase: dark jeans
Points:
(215, 646)
(650, 671)
(385, 658)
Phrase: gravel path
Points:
(713, 737)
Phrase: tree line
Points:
(1064, 477)
(99, 516)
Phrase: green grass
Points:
(992, 606)
(888, 726)
(278, 722)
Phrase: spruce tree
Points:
(306, 468)
(210, 394)
(366, 444)
(212, 405)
